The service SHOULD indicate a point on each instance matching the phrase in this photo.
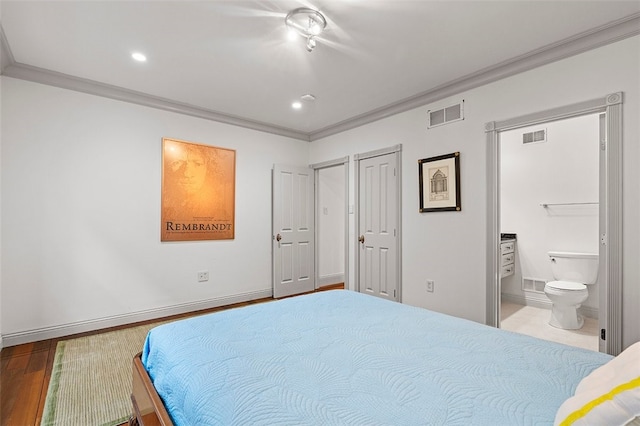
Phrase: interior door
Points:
(377, 222)
(293, 234)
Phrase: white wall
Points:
(450, 247)
(562, 170)
(331, 226)
(81, 180)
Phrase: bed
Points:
(345, 358)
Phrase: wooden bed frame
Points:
(147, 407)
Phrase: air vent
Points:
(446, 115)
(535, 136)
(534, 285)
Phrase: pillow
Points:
(609, 395)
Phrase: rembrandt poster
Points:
(198, 192)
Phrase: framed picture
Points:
(198, 192)
(440, 183)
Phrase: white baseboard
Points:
(536, 302)
(18, 338)
(588, 312)
(330, 279)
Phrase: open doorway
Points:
(549, 192)
(331, 213)
(609, 208)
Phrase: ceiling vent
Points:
(446, 115)
(535, 136)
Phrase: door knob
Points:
(278, 237)
(361, 239)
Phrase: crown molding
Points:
(53, 78)
(6, 56)
(588, 40)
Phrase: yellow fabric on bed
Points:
(609, 395)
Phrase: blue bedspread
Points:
(344, 358)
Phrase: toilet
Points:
(573, 272)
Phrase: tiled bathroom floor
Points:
(535, 322)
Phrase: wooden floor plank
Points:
(38, 367)
(37, 362)
(9, 382)
(20, 360)
(23, 349)
(22, 388)
(47, 378)
(25, 410)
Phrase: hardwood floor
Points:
(25, 371)
(24, 376)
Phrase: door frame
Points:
(316, 179)
(397, 150)
(610, 208)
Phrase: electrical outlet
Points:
(430, 285)
(203, 276)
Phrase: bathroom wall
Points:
(564, 169)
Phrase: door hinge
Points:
(603, 334)
(603, 239)
(603, 145)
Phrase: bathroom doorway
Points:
(609, 281)
(549, 202)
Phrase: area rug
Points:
(91, 378)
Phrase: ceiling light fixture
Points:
(308, 23)
(296, 105)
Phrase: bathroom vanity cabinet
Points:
(508, 257)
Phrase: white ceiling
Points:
(233, 57)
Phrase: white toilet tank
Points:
(576, 267)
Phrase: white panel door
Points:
(293, 245)
(377, 211)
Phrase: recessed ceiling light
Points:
(139, 57)
(296, 105)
